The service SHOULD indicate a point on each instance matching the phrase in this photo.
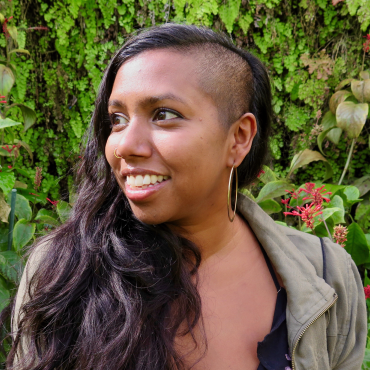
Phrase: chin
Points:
(148, 216)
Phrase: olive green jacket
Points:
(326, 321)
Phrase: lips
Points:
(141, 186)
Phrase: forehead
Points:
(158, 72)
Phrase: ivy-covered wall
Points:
(309, 46)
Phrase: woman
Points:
(154, 269)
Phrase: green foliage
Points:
(308, 47)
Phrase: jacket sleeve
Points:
(353, 351)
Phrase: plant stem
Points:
(327, 229)
(348, 160)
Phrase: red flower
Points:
(367, 292)
(285, 201)
(340, 234)
(308, 213)
(54, 203)
(5, 27)
(316, 195)
(260, 173)
(293, 194)
(6, 147)
(366, 44)
(10, 167)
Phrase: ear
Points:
(242, 133)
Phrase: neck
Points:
(214, 234)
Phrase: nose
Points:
(135, 140)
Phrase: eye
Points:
(118, 119)
(164, 114)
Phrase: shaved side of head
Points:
(226, 77)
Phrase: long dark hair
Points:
(112, 292)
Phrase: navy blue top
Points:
(273, 351)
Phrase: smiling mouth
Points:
(139, 182)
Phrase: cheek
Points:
(109, 151)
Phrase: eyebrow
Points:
(151, 100)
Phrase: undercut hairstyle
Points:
(227, 78)
(108, 291)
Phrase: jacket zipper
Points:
(309, 324)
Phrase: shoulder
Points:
(341, 274)
(314, 248)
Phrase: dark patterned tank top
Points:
(273, 351)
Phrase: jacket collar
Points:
(307, 293)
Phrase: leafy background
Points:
(308, 46)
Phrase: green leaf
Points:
(338, 216)
(46, 219)
(363, 210)
(363, 184)
(281, 223)
(352, 194)
(64, 210)
(366, 361)
(344, 83)
(270, 206)
(366, 280)
(23, 233)
(361, 90)
(304, 157)
(322, 137)
(4, 238)
(337, 98)
(268, 175)
(41, 197)
(229, 12)
(246, 192)
(329, 121)
(244, 22)
(6, 80)
(7, 122)
(367, 236)
(356, 244)
(23, 51)
(11, 266)
(4, 294)
(27, 147)
(22, 207)
(7, 180)
(29, 116)
(13, 33)
(329, 212)
(351, 117)
(273, 189)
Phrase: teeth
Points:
(153, 179)
(145, 181)
(138, 180)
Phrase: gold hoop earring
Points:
(116, 154)
(229, 193)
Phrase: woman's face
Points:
(175, 153)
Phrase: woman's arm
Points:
(353, 350)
